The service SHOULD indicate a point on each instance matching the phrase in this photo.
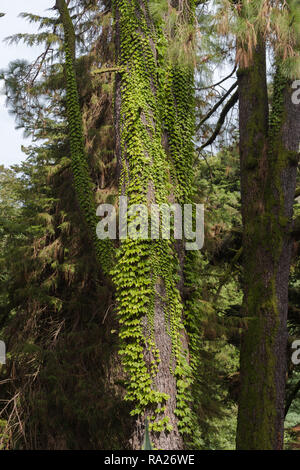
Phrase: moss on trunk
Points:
(268, 183)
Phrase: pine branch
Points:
(217, 105)
(230, 103)
(108, 69)
(228, 273)
(218, 83)
(291, 397)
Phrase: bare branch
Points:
(217, 105)
(230, 103)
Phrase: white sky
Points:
(12, 139)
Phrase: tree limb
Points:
(216, 105)
(291, 398)
(230, 103)
(218, 83)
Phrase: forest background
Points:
(102, 90)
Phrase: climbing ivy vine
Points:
(157, 125)
(82, 180)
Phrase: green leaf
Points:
(147, 443)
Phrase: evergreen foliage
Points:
(122, 102)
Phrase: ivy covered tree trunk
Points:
(81, 176)
(269, 155)
(155, 124)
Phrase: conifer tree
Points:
(269, 152)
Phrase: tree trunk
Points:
(269, 156)
(155, 346)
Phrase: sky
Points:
(12, 139)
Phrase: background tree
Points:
(269, 150)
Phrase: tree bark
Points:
(269, 157)
(155, 346)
